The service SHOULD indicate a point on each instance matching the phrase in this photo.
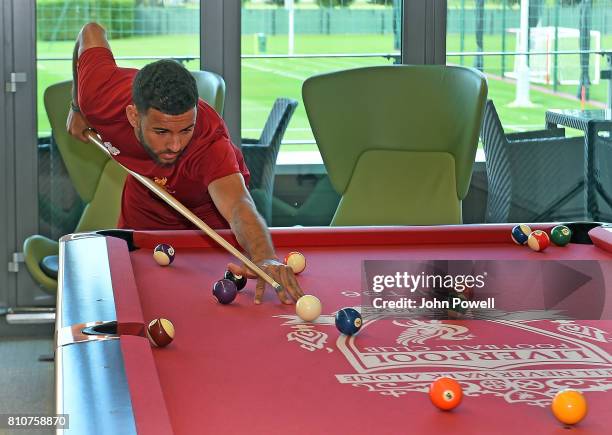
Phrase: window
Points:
(546, 72)
(285, 42)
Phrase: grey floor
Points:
(26, 384)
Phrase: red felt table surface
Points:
(243, 368)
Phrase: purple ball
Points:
(163, 254)
(225, 291)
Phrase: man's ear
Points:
(132, 115)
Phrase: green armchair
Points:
(398, 141)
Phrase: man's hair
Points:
(166, 86)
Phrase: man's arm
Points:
(235, 204)
(91, 35)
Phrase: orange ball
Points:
(569, 406)
(445, 393)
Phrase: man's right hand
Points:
(76, 125)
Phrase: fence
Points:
(62, 20)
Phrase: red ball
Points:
(445, 393)
(538, 240)
(160, 332)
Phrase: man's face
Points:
(163, 136)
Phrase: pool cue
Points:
(185, 212)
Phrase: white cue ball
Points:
(296, 261)
(308, 308)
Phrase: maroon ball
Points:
(160, 332)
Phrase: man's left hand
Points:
(279, 272)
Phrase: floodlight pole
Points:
(522, 77)
(289, 6)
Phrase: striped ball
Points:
(538, 240)
(520, 234)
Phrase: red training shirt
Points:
(104, 92)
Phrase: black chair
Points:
(533, 176)
(260, 155)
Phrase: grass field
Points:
(265, 79)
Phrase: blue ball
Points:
(163, 254)
(348, 321)
(520, 234)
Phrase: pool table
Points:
(259, 369)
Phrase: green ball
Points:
(560, 235)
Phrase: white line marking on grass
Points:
(522, 127)
(312, 67)
(250, 109)
(258, 130)
(301, 78)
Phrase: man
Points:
(154, 124)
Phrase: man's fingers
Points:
(290, 283)
(78, 133)
(259, 290)
(294, 287)
(282, 295)
(76, 125)
(240, 270)
(289, 289)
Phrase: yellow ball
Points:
(569, 406)
(308, 308)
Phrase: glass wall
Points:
(540, 55)
(285, 42)
(139, 32)
(486, 34)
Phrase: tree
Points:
(279, 2)
(535, 10)
(478, 61)
(586, 13)
(334, 3)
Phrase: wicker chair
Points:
(260, 154)
(533, 176)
